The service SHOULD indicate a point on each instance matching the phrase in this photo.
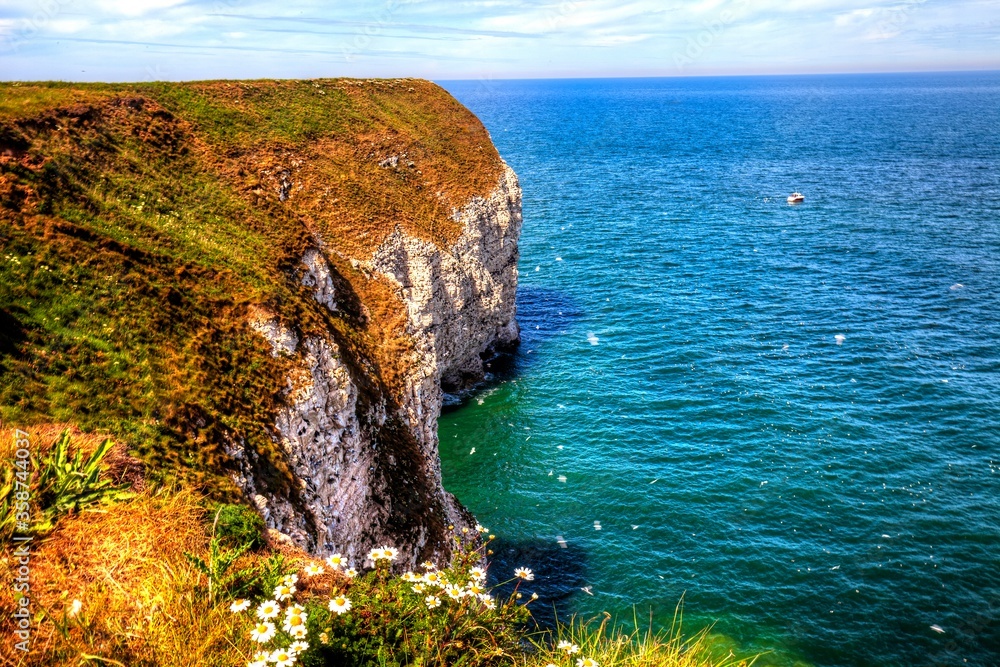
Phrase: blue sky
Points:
(135, 40)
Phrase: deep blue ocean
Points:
(788, 416)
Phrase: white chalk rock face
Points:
(318, 277)
(460, 301)
(358, 484)
(282, 339)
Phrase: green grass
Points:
(632, 645)
(242, 113)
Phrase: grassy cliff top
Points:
(326, 137)
(140, 223)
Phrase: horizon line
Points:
(535, 78)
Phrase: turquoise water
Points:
(681, 380)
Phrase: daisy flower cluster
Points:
(270, 617)
(337, 562)
(437, 586)
(383, 553)
(280, 623)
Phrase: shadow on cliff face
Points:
(543, 314)
(559, 573)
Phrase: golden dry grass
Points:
(125, 563)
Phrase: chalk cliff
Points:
(460, 305)
(274, 284)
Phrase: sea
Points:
(782, 421)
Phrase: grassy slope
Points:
(139, 222)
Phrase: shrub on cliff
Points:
(65, 482)
(239, 525)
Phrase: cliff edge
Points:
(262, 287)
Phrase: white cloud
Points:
(877, 35)
(567, 16)
(617, 40)
(500, 38)
(853, 17)
(136, 7)
(140, 29)
(68, 26)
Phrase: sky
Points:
(145, 40)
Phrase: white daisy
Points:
(76, 606)
(586, 662)
(268, 609)
(350, 573)
(312, 569)
(299, 632)
(295, 610)
(383, 553)
(479, 528)
(293, 622)
(524, 573)
(284, 592)
(339, 604)
(336, 561)
(239, 605)
(432, 601)
(569, 647)
(290, 579)
(454, 592)
(427, 565)
(259, 659)
(477, 573)
(419, 588)
(263, 632)
(298, 647)
(282, 658)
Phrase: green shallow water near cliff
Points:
(790, 416)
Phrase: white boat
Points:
(796, 198)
